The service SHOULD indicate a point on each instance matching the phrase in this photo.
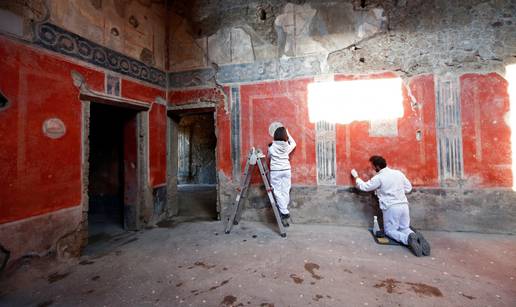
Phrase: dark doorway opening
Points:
(112, 185)
(196, 165)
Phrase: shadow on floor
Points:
(197, 200)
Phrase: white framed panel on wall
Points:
(449, 129)
(326, 154)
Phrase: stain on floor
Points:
(389, 284)
(56, 277)
(228, 300)
(204, 266)
(310, 267)
(45, 303)
(468, 296)
(393, 286)
(296, 279)
(221, 284)
(425, 289)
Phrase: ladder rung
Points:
(255, 157)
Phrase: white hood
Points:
(279, 153)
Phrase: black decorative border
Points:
(279, 69)
(54, 38)
(235, 130)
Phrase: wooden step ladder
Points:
(255, 157)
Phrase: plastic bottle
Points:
(376, 227)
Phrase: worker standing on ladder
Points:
(280, 171)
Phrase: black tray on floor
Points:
(385, 240)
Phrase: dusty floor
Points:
(196, 264)
(199, 200)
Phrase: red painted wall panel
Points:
(286, 102)
(157, 144)
(139, 91)
(43, 174)
(157, 127)
(223, 133)
(485, 132)
(417, 159)
(39, 174)
(179, 97)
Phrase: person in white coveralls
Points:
(280, 170)
(390, 186)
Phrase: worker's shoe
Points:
(284, 219)
(285, 222)
(414, 245)
(425, 246)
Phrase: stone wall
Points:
(196, 149)
(485, 211)
(410, 37)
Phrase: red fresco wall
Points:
(223, 124)
(157, 128)
(40, 174)
(486, 134)
(417, 159)
(158, 141)
(286, 102)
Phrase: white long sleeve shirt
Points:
(389, 185)
(279, 153)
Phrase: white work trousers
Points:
(396, 223)
(281, 182)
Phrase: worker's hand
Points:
(354, 173)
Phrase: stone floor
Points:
(198, 200)
(196, 264)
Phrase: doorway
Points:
(196, 166)
(112, 175)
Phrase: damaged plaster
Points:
(409, 37)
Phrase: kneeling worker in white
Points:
(390, 186)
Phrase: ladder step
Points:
(255, 157)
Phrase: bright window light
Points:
(511, 78)
(342, 102)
